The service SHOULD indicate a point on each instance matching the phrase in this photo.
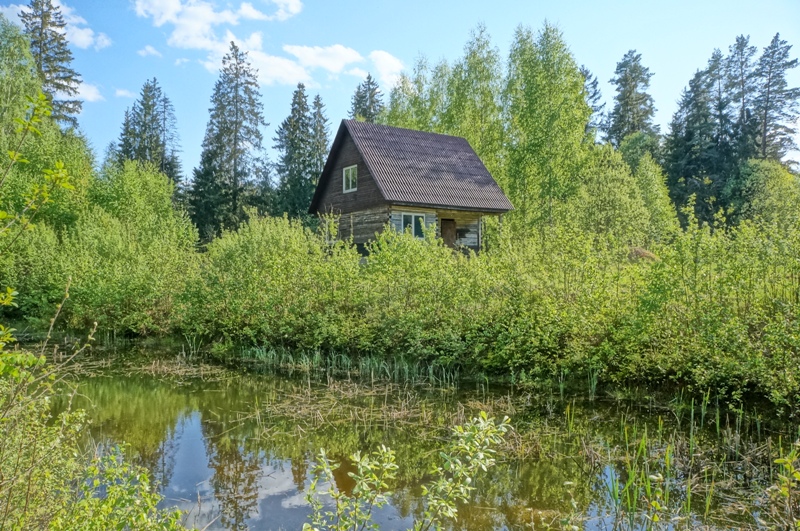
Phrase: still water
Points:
(236, 450)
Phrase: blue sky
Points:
(330, 45)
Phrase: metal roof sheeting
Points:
(419, 168)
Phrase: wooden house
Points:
(378, 176)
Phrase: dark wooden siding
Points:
(363, 225)
(366, 195)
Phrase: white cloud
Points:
(180, 61)
(388, 67)
(88, 92)
(332, 58)
(124, 93)
(77, 30)
(280, 70)
(11, 12)
(102, 41)
(287, 9)
(194, 27)
(149, 50)
(248, 12)
(357, 72)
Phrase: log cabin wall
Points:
(468, 223)
(365, 197)
(362, 226)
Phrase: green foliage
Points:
(44, 478)
(764, 190)
(546, 116)
(651, 183)
(733, 110)
(777, 105)
(784, 495)
(17, 78)
(128, 257)
(610, 202)
(372, 477)
(272, 282)
(471, 452)
(114, 494)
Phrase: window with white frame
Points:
(350, 179)
(414, 222)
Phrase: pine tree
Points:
(231, 147)
(367, 102)
(776, 104)
(633, 107)
(296, 163)
(149, 132)
(44, 25)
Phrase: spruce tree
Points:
(367, 102)
(593, 97)
(231, 147)
(741, 87)
(295, 168)
(688, 147)
(44, 26)
(721, 115)
(319, 140)
(776, 104)
(149, 132)
(633, 107)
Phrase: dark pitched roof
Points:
(418, 168)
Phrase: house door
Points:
(448, 228)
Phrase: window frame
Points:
(413, 215)
(353, 178)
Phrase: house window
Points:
(415, 223)
(349, 179)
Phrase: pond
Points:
(236, 449)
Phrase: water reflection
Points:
(236, 451)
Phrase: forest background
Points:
(633, 255)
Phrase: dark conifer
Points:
(44, 25)
(776, 103)
(741, 88)
(296, 163)
(633, 107)
(231, 147)
(149, 132)
(367, 102)
(593, 100)
(319, 141)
